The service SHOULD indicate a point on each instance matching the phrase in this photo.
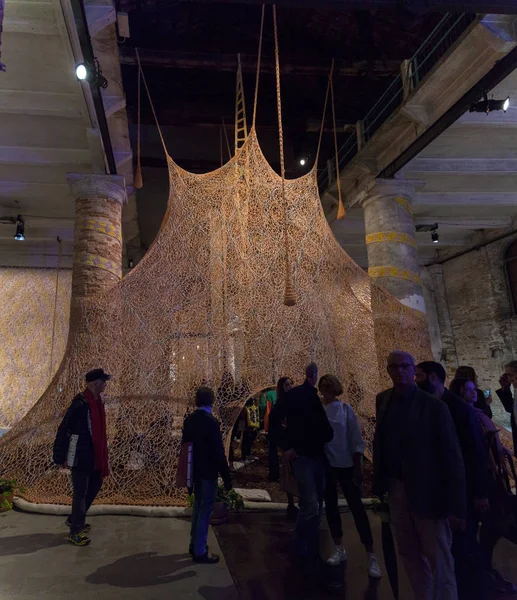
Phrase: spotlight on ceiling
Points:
(488, 105)
(20, 229)
(433, 229)
(81, 72)
(303, 162)
(92, 73)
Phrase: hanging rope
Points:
(51, 371)
(138, 174)
(341, 208)
(324, 114)
(140, 70)
(221, 144)
(289, 294)
(227, 139)
(255, 100)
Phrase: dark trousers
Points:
(274, 463)
(205, 494)
(86, 485)
(310, 479)
(248, 438)
(468, 562)
(352, 493)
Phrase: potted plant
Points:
(225, 500)
(7, 487)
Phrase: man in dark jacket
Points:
(430, 377)
(81, 445)
(209, 460)
(307, 431)
(509, 378)
(417, 462)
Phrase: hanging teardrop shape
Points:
(139, 184)
(340, 210)
(290, 293)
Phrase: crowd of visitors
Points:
(438, 461)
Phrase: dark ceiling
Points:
(189, 55)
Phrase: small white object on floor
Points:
(238, 465)
(254, 495)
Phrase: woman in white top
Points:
(345, 466)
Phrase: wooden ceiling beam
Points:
(228, 62)
(416, 6)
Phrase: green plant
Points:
(7, 486)
(231, 498)
(6, 505)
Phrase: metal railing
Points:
(431, 51)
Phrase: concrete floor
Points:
(129, 558)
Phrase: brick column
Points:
(391, 243)
(97, 236)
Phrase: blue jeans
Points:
(205, 493)
(310, 479)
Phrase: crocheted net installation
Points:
(205, 305)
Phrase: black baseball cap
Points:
(97, 374)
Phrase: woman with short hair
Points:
(345, 457)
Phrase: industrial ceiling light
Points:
(92, 73)
(303, 162)
(488, 105)
(435, 237)
(20, 229)
(433, 229)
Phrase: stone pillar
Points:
(391, 243)
(97, 236)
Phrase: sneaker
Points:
(374, 570)
(79, 539)
(207, 559)
(338, 557)
(87, 527)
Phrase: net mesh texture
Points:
(205, 306)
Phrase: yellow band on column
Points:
(406, 204)
(94, 260)
(101, 227)
(391, 236)
(388, 271)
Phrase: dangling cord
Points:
(226, 137)
(221, 144)
(138, 175)
(255, 101)
(324, 114)
(340, 206)
(150, 101)
(55, 310)
(289, 295)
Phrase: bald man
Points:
(417, 461)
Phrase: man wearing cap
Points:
(81, 445)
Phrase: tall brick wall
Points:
(484, 328)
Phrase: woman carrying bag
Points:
(345, 466)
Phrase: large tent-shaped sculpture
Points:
(206, 305)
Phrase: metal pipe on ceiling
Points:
(81, 23)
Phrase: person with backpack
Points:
(345, 467)
(81, 445)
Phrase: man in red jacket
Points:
(81, 445)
